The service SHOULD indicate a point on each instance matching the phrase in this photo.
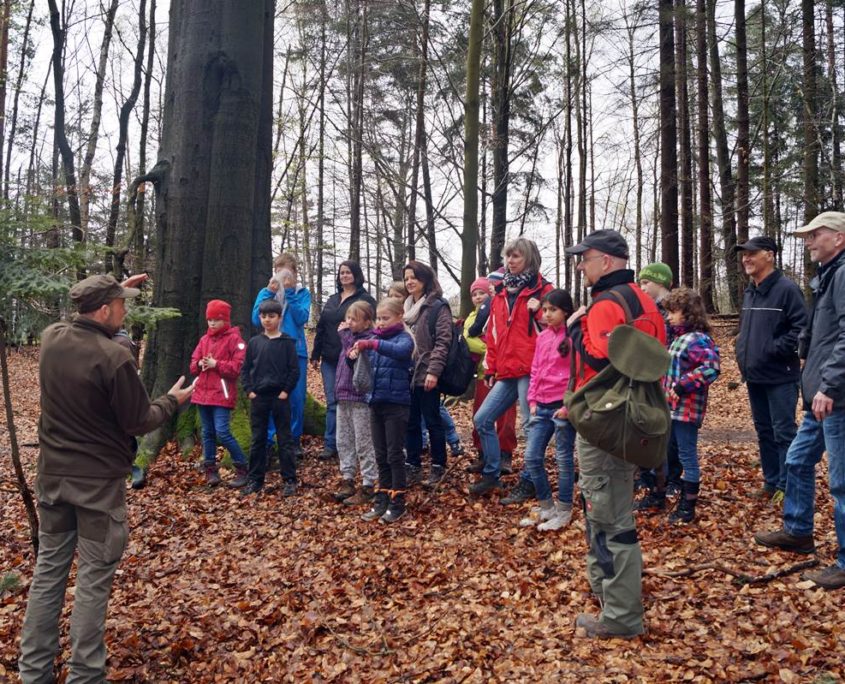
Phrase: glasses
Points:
(585, 259)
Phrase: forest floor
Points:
(215, 588)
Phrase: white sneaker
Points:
(561, 518)
(537, 514)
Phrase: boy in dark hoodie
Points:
(270, 373)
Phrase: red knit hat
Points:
(479, 284)
(218, 310)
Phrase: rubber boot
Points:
(685, 510)
(212, 477)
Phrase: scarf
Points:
(214, 332)
(389, 331)
(412, 310)
(514, 282)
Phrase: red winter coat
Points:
(228, 349)
(512, 333)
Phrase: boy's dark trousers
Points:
(389, 425)
(261, 409)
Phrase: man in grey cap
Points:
(822, 345)
(92, 403)
(773, 315)
(614, 561)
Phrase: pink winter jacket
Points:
(549, 370)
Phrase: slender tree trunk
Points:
(580, 125)
(638, 157)
(567, 134)
(687, 272)
(768, 199)
(321, 160)
(357, 131)
(810, 166)
(419, 128)
(668, 141)
(705, 249)
(18, 87)
(743, 138)
(835, 128)
(5, 14)
(502, 33)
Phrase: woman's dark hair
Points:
(426, 275)
(561, 299)
(357, 273)
(691, 306)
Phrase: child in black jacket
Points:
(269, 374)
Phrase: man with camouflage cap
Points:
(92, 403)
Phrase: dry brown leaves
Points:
(213, 588)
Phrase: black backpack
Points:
(460, 368)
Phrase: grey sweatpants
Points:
(355, 442)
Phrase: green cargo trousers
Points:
(100, 537)
(614, 561)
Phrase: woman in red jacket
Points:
(217, 359)
(511, 336)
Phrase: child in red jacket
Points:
(217, 359)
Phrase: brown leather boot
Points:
(346, 489)
(363, 496)
(212, 477)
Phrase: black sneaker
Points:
(413, 474)
(381, 501)
(524, 491)
(395, 510)
(289, 489)
(506, 464)
(139, 477)
(653, 502)
(327, 454)
(684, 511)
(435, 476)
(485, 485)
(252, 487)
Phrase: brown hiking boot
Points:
(363, 496)
(345, 490)
(212, 477)
(240, 478)
(829, 578)
(596, 629)
(781, 539)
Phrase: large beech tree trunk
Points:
(212, 179)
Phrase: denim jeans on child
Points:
(683, 441)
(502, 396)
(773, 411)
(452, 437)
(542, 425)
(215, 426)
(799, 504)
(328, 371)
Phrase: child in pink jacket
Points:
(549, 379)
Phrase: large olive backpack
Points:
(623, 409)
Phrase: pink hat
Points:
(479, 284)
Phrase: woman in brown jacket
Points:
(424, 296)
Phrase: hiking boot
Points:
(596, 629)
(764, 492)
(327, 454)
(240, 476)
(289, 489)
(506, 464)
(346, 489)
(361, 497)
(413, 475)
(540, 513)
(781, 539)
(456, 449)
(777, 498)
(684, 511)
(139, 477)
(674, 487)
(524, 491)
(252, 487)
(381, 500)
(476, 466)
(829, 578)
(212, 476)
(485, 485)
(395, 510)
(561, 518)
(654, 501)
(435, 476)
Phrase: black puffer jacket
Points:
(773, 315)
(824, 338)
(327, 341)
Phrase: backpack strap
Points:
(433, 313)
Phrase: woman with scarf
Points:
(424, 296)
(512, 331)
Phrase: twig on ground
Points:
(739, 577)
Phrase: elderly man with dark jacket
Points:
(92, 402)
(822, 429)
(773, 315)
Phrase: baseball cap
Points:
(755, 244)
(90, 294)
(835, 220)
(608, 241)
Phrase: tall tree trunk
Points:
(705, 248)
(567, 134)
(638, 157)
(18, 86)
(419, 127)
(502, 33)
(768, 197)
(123, 127)
(321, 161)
(94, 131)
(687, 272)
(743, 138)
(469, 236)
(835, 128)
(213, 175)
(580, 113)
(668, 141)
(357, 130)
(810, 166)
(5, 15)
(726, 181)
(68, 165)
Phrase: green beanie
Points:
(658, 273)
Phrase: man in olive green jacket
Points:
(92, 403)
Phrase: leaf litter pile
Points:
(216, 588)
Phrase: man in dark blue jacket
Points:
(822, 345)
(773, 315)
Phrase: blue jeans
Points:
(806, 450)
(215, 426)
(452, 436)
(500, 399)
(329, 372)
(683, 441)
(542, 426)
(773, 411)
